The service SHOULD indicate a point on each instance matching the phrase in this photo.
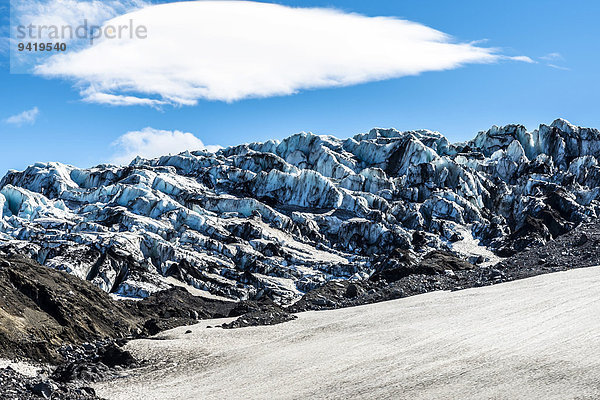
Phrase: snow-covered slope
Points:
(280, 218)
(535, 338)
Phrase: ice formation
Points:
(281, 217)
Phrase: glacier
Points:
(280, 218)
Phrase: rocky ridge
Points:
(442, 271)
(277, 219)
(53, 317)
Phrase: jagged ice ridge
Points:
(280, 218)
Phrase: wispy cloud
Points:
(26, 117)
(559, 67)
(233, 50)
(92, 96)
(525, 59)
(150, 143)
(552, 57)
(552, 60)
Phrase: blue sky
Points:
(457, 102)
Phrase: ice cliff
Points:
(281, 217)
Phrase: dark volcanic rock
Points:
(578, 248)
(260, 318)
(398, 265)
(175, 307)
(402, 264)
(15, 386)
(43, 309)
(93, 362)
(437, 262)
(351, 291)
(264, 312)
(113, 355)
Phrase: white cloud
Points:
(151, 143)
(559, 67)
(232, 50)
(26, 117)
(522, 59)
(551, 57)
(92, 96)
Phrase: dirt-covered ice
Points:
(536, 338)
(471, 248)
(22, 367)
